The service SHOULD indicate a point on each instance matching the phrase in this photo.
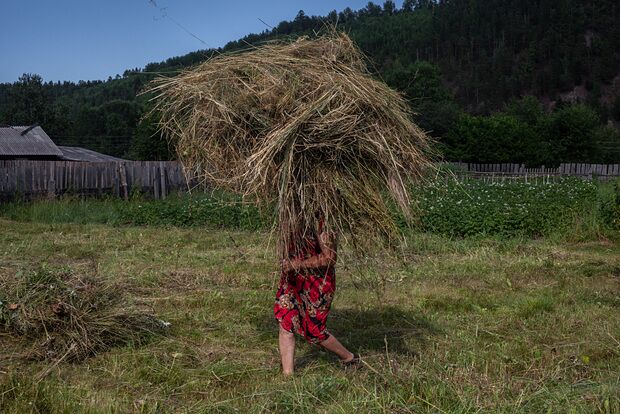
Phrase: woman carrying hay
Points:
(304, 297)
(304, 127)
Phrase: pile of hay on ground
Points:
(66, 317)
(301, 124)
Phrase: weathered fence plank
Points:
(32, 179)
(500, 171)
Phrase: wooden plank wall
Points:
(34, 179)
(588, 171)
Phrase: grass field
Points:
(468, 325)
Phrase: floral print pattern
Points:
(303, 300)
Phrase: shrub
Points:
(470, 208)
(515, 208)
(214, 210)
(497, 138)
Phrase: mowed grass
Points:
(457, 326)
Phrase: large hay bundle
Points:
(301, 124)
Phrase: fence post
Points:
(123, 175)
(51, 184)
(162, 176)
(156, 181)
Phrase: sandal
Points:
(353, 362)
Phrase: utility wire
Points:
(165, 15)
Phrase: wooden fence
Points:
(35, 179)
(588, 171)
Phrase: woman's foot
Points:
(354, 360)
(349, 358)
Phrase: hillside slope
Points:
(448, 57)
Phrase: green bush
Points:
(497, 138)
(572, 130)
(615, 214)
(213, 210)
(471, 208)
(515, 208)
(216, 210)
(525, 133)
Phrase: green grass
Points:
(496, 325)
(213, 210)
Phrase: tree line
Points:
(492, 80)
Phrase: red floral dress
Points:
(303, 299)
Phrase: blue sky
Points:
(94, 39)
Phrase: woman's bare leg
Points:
(287, 351)
(332, 344)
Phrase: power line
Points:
(265, 23)
(165, 15)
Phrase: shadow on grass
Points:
(405, 332)
(368, 331)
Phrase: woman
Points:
(303, 300)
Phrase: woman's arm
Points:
(326, 259)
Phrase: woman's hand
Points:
(324, 260)
(287, 265)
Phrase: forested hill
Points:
(533, 81)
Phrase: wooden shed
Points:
(32, 143)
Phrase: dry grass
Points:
(302, 125)
(62, 316)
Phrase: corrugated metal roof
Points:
(35, 142)
(83, 154)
